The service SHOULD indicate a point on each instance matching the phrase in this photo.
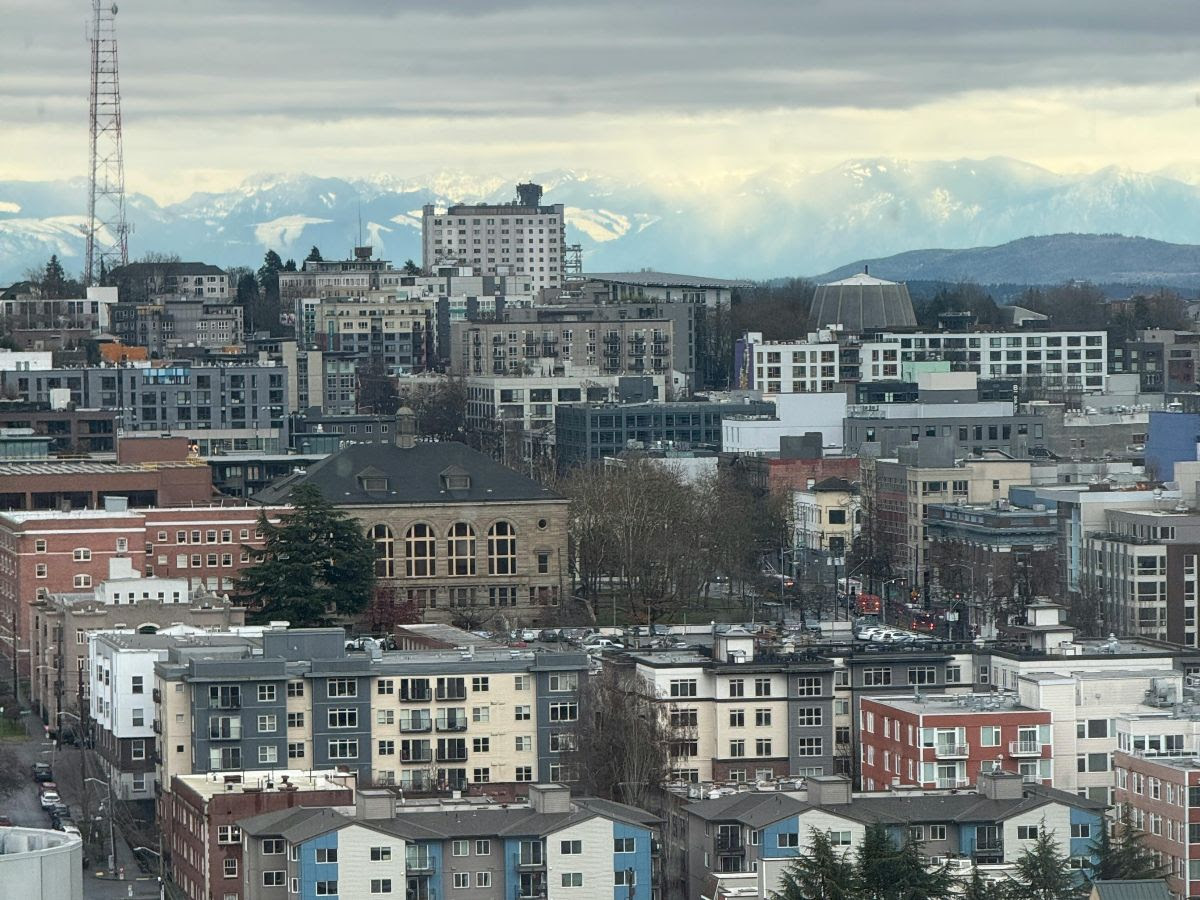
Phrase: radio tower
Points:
(107, 231)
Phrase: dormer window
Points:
(373, 481)
(456, 478)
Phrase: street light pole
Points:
(112, 842)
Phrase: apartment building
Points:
(523, 237)
(666, 287)
(199, 816)
(46, 552)
(531, 401)
(743, 714)
(765, 831)
(826, 517)
(948, 741)
(166, 324)
(830, 356)
(125, 601)
(1160, 788)
(385, 329)
(139, 281)
(422, 720)
(82, 431)
(555, 845)
(233, 406)
(460, 536)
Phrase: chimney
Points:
(1000, 785)
(406, 428)
(374, 803)
(549, 798)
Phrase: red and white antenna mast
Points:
(107, 231)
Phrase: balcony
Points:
(1025, 748)
(416, 726)
(157, 726)
(989, 848)
(526, 862)
(417, 864)
(452, 693)
(952, 784)
(454, 724)
(452, 756)
(952, 751)
(156, 694)
(417, 756)
(730, 843)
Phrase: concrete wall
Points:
(38, 864)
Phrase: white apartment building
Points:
(531, 399)
(825, 358)
(518, 238)
(26, 360)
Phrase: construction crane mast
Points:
(107, 231)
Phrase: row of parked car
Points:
(886, 634)
(51, 802)
(592, 641)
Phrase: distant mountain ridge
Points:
(757, 225)
(1046, 259)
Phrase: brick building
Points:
(201, 840)
(82, 431)
(45, 552)
(1161, 789)
(456, 533)
(947, 741)
(777, 473)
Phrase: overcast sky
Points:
(213, 90)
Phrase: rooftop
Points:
(264, 780)
(664, 279)
(956, 704)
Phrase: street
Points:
(24, 809)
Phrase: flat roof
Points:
(213, 783)
(663, 279)
(956, 704)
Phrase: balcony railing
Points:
(416, 726)
(452, 756)
(157, 726)
(949, 784)
(418, 864)
(1024, 748)
(417, 756)
(456, 724)
(952, 751)
(156, 694)
(730, 843)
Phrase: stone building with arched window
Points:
(466, 539)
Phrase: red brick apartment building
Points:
(49, 552)
(201, 838)
(946, 740)
(1162, 790)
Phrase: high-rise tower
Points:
(107, 231)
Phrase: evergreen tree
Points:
(1123, 855)
(875, 862)
(268, 276)
(317, 563)
(1044, 873)
(979, 888)
(888, 872)
(289, 266)
(54, 282)
(314, 255)
(411, 268)
(821, 874)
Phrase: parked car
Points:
(48, 799)
(5, 822)
(42, 772)
(602, 643)
(550, 634)
(530, 634)
(71, 828)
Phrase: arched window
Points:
(502, 549)
(420, 552)
(385, 552)
(460, 549)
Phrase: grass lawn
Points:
(10, 729)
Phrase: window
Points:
(807, 686)
(625, 878)
(624, 845)
(737, 687)
(136, 684)
(479, 683)
(296, 750)
(524, 743)
(564, 681)
(682, 687)
(462, 879)
(484, 745)
(342, 687)
(229, 834)
(808, 716)
(266, 693)
(230, 868)
(83, 581)
(483, 848)
(571, 848)
(564, 712)
(460, 848)
(460, 549)
(521, 682)
(1081, 830)
(989, 736)
(295, 720)
(295, 689)
(343, 749)
(327, 855)
(788, 839)
(483, 879)
(381, 854)
(937, 832)
(840, 838)
(385, 551)
(737, 748)
(811, 746)
(420, 552)
(762, 687)
(41, 570)
(572, 879)
(381, 885)
(1027, 832)
(521, 713)
(762, 747)
(524, 773)
(39, 546)
(326, 888)
(343, 717)
(268, 755)
(273, 878)
(82, 554)
(385, 686)
(266, 724)
(922, 675)
(387, 748)
(877, 676)
(502, 549)
(137, 749)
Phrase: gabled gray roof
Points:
(414, 476)
(1134, 889)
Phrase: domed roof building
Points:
(861, 303)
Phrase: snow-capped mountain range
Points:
(757, 225)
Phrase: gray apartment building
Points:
(589, 432)
(165, 325)
(420, 719)
(233, 406)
